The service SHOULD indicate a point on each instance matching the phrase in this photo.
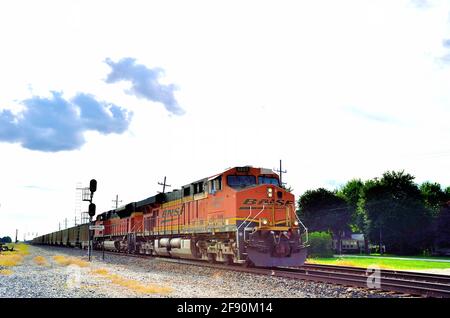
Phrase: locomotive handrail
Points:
(255, 217)
(237, 230)
(250, 213)
(245, 228)
(304, 227)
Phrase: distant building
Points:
(350, 243)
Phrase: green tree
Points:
(323, 210)
(397, 216)
(321, 245)
(442, 227)
(447, 193)
(351, 192)
(433, 196)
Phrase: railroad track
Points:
(409, 283)
(418, 284)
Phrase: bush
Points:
(6, 239)
(320, 244)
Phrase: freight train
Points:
(242, 215)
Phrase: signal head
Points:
(93, 185)
(91, 209)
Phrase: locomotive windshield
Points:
(241, 181)
(268, 180)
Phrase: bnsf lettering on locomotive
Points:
(171, 212)
(266, 202)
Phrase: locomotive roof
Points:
(174, 194)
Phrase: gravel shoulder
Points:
(121, 276)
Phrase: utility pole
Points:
(17, 232)
(65, 223)
(381, 243)
(164, 185)
(59, 226)
(281, 174)
(116, 201)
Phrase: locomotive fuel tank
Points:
(175, 247)
(110, 245)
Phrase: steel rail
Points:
(414, 285)
(443, 279)
(410, 283)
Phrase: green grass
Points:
(19, 248)
(447, 258)
(380, 262)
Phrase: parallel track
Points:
(409, 283)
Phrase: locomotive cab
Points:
(269, 232)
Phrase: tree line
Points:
(394, 211)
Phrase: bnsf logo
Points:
(171, 212)
(266, 201)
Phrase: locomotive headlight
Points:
(269, 192)
(295, 222)
(264, 221)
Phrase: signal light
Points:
(91, 209)
(93, 185)
(269, 192)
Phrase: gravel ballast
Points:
(122, 276)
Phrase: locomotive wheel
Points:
(229, 260)
(211, 258)
(248, 263)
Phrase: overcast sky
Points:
(130, 91)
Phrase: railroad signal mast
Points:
(91, 211)
(87, 195)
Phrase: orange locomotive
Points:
(242, 215)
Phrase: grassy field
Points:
(9, 259)
(447, 258)
(381, 262)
